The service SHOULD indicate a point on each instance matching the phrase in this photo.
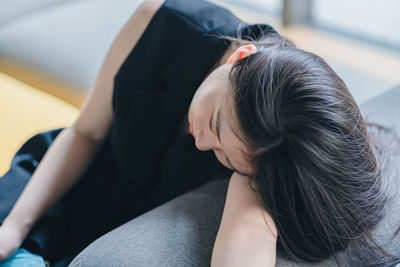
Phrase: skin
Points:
(212, 96)
(247, 234)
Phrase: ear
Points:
(242, 52)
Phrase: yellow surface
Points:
(25, 111)
(35, 77)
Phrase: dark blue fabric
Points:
(86, 211)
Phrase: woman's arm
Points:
(247, 233)
(75, 146)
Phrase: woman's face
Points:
(210, 120)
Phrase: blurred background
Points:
(51, 51)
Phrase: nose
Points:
(206, 140)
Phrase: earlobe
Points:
(242, 52)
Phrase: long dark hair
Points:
(313, 160)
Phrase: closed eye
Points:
(210, 122)
(216, 123)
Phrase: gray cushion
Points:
(67, 40)
(180, 232)
(384, 108)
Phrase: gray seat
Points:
(67, 40)
(182, 231)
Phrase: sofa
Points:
(50, 54)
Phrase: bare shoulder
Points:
(96, 113)
(136, 25)
(150, 7)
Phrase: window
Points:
(368, 20)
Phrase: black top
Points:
(140, 164)
(154, 88)
(140, 160)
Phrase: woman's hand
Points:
(10, 240)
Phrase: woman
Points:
(275, 116)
